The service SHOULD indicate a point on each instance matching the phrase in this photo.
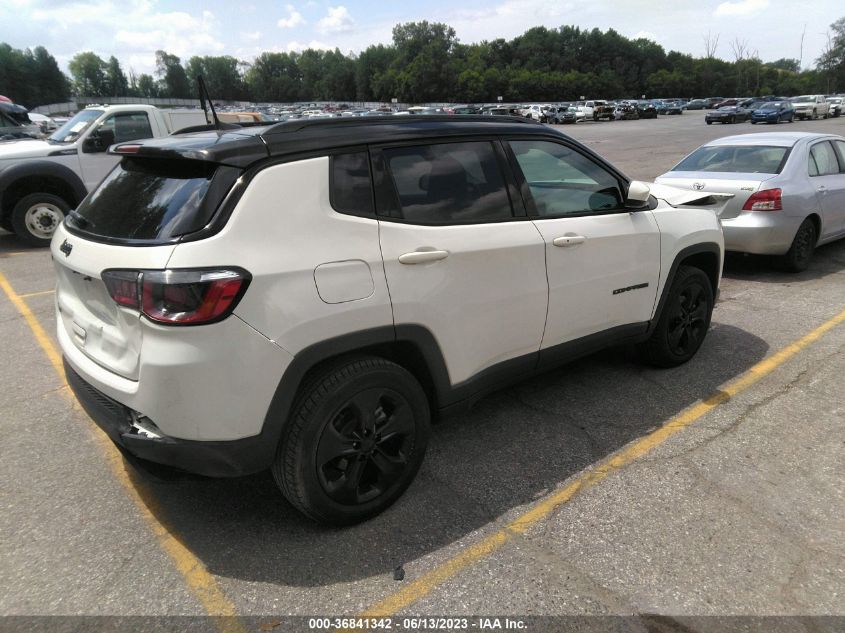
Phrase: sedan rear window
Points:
(739, 159)
(153, 200)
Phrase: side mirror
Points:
(638, 195)
(98, 141)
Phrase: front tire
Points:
(37, 216)
(800, 252)
(684, 320)
(354, 442)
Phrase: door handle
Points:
(569, 240)
(822, 189)
(421, 257)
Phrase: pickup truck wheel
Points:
(684, 321)
(354, 442)
(37, 216)
(800, 252)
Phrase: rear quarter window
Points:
(153, 200)
(351, 186)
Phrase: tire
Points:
(753, 122)
(336, 431)
(800, 252)
(684, 320)
(708, 122)
(37, 216)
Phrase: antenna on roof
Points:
(206, 98)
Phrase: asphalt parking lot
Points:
(605, 488)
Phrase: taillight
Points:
(766, 200)
(178, 297)
(123, 287)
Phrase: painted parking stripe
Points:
(37, 294)
(201, 583)
(426, 583)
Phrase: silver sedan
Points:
(788, 187)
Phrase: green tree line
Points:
(425, 62)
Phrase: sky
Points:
(133, 31)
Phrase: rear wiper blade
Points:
(79, 220)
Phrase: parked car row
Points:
(775, 110)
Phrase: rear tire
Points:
(800, 252)
(684, 320)
(354, 441)
(37, 216)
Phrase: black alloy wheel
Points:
(688, 319)
(353, 441)
(684, 319)
(365, 447)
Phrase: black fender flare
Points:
(369, 341)
(709, 248)
(28, 167)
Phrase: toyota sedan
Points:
(788, 188)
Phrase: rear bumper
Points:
(761, 233)
(213, 459)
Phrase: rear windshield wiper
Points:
(80, 221)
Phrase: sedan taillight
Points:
(766, 200)
(178, 297)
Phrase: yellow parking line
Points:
(419, 588)
(36, 294)
(198, 579)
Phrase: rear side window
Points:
(840, 146)
(351, 188)
(448, 183)
(153, 200)
(128, 126)
(822, 161)
(740, 159)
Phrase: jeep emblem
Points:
(66, 248)
(698, 186)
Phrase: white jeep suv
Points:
(305, 297)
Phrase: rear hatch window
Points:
(153, 200)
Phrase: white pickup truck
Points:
(811, 107)
(41, 180)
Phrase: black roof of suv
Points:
(242, 146)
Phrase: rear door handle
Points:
(569, 240)
(421, 257)
(822, 189)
